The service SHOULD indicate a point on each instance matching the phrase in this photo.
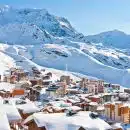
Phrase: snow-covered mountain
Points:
(33, 24)
(113, 38)
(58, 55)
(34, 37)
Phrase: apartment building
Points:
(118, 112)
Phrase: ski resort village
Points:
(39, 100)
(54, 78)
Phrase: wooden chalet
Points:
(61, 121)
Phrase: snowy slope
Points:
(113, 38)
(117, 58)
(23, 34)
(57, 56)
(12, 56)
(37, 22)
(6, 62)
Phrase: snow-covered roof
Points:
(23, 82)
(60, 104)
(93, 103)
(117, 126)
(59, 121)
(6, 86)
(74, 108)
(28, 107)
(11, 111)
(4, 124)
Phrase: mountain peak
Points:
(114, 38)
(14, 21)
(26, 11)
(114, 32)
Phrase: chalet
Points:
(6, 89)
(118, 111)
(11, 112)
(35, 92)
(51, 109)
(60, 107)
(19, 73)
(61, 121)
(5, 123)
(25, 84)
(26, 109)
(10, 78)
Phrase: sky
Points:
(87, 16)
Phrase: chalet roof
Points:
(117, 126)
(6, 86)
(29, 107)
(23, 84)
(60, 104)
(93, 103)
(11, 112)
(60, 121)
(74, 108)
(4, 125)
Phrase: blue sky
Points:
(87, 16)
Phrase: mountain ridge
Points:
(113, 38)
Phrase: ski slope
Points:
(57, 56)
